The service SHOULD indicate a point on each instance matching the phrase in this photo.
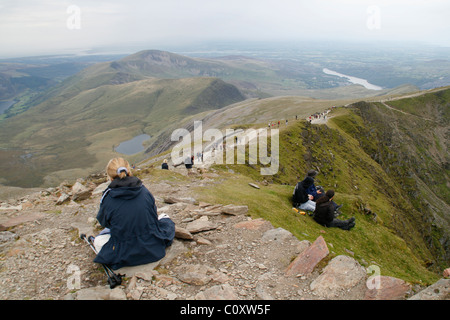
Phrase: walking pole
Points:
(114, 280)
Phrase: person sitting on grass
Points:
(300, 198)
(324, 213)
(320, 192)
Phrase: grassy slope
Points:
(393, 241)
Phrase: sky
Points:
(34, 27)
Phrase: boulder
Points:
(340, 275)
(82, 195)
(182, 233)
(306, 261)
(277, 235)
(234, 210)
(387, 288)
(200, 225)
(62, 199)
(78, 187)
(437, 291)
(172, 200)
(100, 188)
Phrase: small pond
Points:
(133, 146)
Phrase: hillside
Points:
(387, 163)
(75, 132)
(235, 241)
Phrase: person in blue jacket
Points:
(133, 234)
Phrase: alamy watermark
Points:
(374, 18)
(73, 22)
(225, 144)
(74, 280)
(374, 280)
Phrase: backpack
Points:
(299, 196)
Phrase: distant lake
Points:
(133, 146)
(4, 105)
(354, 80)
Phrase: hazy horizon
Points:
(30, 28)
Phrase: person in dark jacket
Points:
(133, 234)
(189, 162)
(324, 213)
(165, 165)
(301, 199)
(312, 190)
(320, 192)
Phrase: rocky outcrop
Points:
(219, 253)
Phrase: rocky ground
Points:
(219, 253)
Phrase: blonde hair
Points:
(118, 167)
(165, 160)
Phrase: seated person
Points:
(165, 165)
(312, 190)
(320, 192)
(301, 199)
(324, 213)
(133, 234)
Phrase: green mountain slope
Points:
(388, 168)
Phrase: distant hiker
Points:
(165, 165)
(188, 162)
(324, 213)
(133, 234)
(301, 199)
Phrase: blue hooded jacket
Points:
(128, 209)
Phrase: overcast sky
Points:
(30, 27)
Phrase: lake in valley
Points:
(133, 146)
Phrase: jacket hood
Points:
(126, 188)
(307, 182)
